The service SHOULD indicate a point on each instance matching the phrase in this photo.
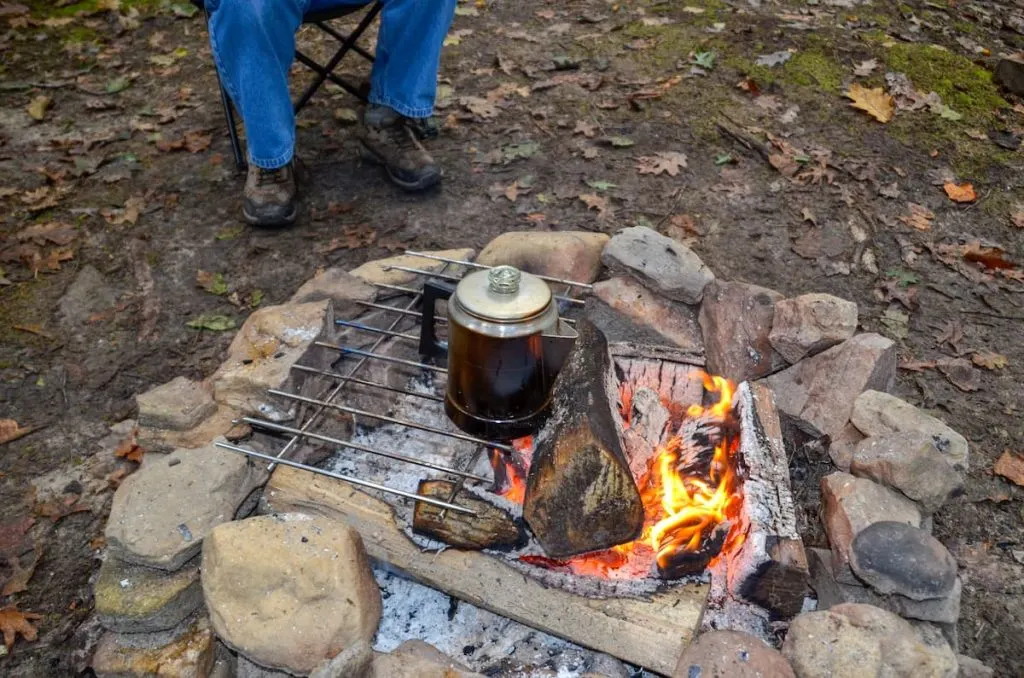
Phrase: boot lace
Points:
(403, 137)
(266, 177)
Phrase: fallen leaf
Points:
(989, 360)
(705, 59)
(1010, 466)
(480, 107)
(50, 232)
(600, 185)
(525, 149)
(20, 576)
(129, 214)
(587, 129)
(875, 102)
(618, 142)
(959, 372)
(117, 85)
(212, 282)
(960, 192)
(989, 257)
(896, 322)
(917, 365)
(594, 202)
(197, 140)
(38, 106)
(1017, 218)
(774, 59)
(353, 237)
(129, 449)
(214, 322)
(34, 328)
(953, 334)
(668, 162)
(920, 217)
(10, 431)
(865, 68)
(13, 621)
(57, 510)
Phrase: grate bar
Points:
(473, 264)
(376, 330)
(348, 479)
(395, 309)
(455, 278)
(364, 382)
(391, 420)
(379, 356)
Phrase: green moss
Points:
(44, 8)
(964, 86)
(813, 69)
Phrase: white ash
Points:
(483, 641)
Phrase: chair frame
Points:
(324, 72)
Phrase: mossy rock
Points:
(135, 599)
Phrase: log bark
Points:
(580, 493)
(770, 567)
(650, 632)
(491, 527)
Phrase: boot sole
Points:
(280, 222)
(426, 182)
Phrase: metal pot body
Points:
(499, 385)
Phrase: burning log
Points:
(770, 566)
(580, 493)
(491, 527)
(679, 562)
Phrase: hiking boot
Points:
(390, 139)
(270, 196)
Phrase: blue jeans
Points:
(253, 45)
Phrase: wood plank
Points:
(651, 632)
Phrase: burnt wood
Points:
(770, 567)
(580, 493)
(491, 527)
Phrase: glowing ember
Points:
(691, 503)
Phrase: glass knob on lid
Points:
(504, 279)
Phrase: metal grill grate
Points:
(335, 400)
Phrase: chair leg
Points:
(340, 82)
(341, 37)
(336, 59)
(229, 115)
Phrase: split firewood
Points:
(580, 493)
(491, 527)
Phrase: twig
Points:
(744, 139)
(671, 211)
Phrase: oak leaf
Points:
(594, 202)
(1011, 467)
(875, 102)
(989, 360)
(960, 192)
(920, 217)
(13, 621)
(668, 162)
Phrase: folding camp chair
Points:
(324, 72)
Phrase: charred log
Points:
(580, 493)
(491, 527)
(675, 562)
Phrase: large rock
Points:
(831, 592)
(569, 255)
(849, 505)
(663, 264)
(134, 599)
(843, 446)
(338, 285)
(675, 322)
(856, 641)
(878, 414)
(262, 353)
(178, 405)
(810, 323)
(289, 591)
(971, 667)
(818, 393)
(416, 659)
(162, 512)
(184, 652)
(896, 558)
(736, 319)
(88, 293)
(731, 654)
(377, 271)
(1010, 74)
(911, 463)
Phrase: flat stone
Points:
(972, 668)
(911, 463)
(377, 271)
(876, 414)
(667, 266)
(262, 353)
(736, 319)
(818, 393)
(178, 405)
(289, 591)
(184, 652)
(831, 592)
(569, 255)
(87, 294)
(618, 327)
(673, 321)
(1010, 74)
(134, 599)
(166, 440)
(809, 324)
(849, 505)
(162, 512)
(338, 285)
(854, 641)
(894, 557)
(731, 654)
(416, 659)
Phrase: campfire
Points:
(691, 493)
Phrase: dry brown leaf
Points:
(917, 365)
(10, 430)
(1010, 466)
(482, 108)
(197, 140)
(54, 232)
(13, 621)
(20, 576)
(875, 102)
(55, 510)
(129, 214)
(352, 237)
(38, 106)
(594, 202)
(668, 162)
(960, 192)
(920, 217)
(989, 360)
(989, 257)
(129, 449)
(959, 372)
(587, 129)
(1017, 218)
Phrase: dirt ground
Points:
(113, 155)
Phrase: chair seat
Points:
(315, 17)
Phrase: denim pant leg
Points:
(253, 44)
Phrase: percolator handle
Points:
(430, 346)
